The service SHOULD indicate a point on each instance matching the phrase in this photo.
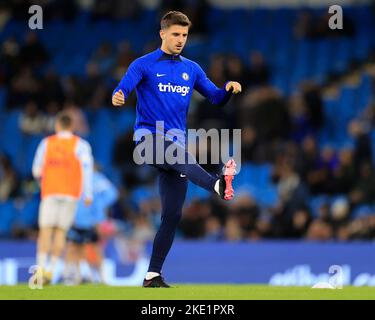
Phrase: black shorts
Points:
(82, 236)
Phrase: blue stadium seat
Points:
(141, 194)
(363, 211)
(195, 192)
(2, 99)
(364, 93)
(7, 216)
(316, 202)
(28, 213)
(123, 120)
(372, 137)
(26, 154)
(342, 53)
(102, 136)
(267, 197)
(11, 129)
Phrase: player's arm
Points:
(106, 195)
(109, 193)
(128, 82)
(84, 154)
(105, 190)
(208, 89)
(39, 160)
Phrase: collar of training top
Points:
(166, 56)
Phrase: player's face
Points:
(174, 38)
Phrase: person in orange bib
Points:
(63, 164)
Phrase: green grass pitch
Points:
(185, 292)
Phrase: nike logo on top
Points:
(160, 74)
(182, 175)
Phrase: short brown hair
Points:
(64, 119)
(174, 17)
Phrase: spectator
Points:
(313, 99)
(103, 58)
(235, 69)
(232, 230)
(360, 132)
(303, 27)
(345, 173)
(126, 9)
(32, 121)
(246, 211)
(292, 195)
(213, 229)
(52, 109)
(309, 159)
(259, 73)
(265, 110)
(103, 10)
(52, 87)
(23, 87)
(10, 57)
(9, 183)
(33, 54)
(301, 125)
(192, 223)
(364, 189)
(251, 149)
(319, 178)
(340, 213)
(299, 224)
(143, 230)
(319, 231)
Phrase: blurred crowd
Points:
(276, 129)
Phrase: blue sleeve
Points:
(39, 160)
(84, 154)
(131, 78)
(109, 195)
(209, 90)
(106, 196)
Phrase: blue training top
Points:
(104, 195)
(164, 84)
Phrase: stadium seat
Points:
(28, 213)
(363, 211)
(7, 216)
(316, 202)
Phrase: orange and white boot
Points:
(225, 186)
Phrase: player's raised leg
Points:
(186, 165)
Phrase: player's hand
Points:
(233, 85)
(88, 202)
(118, 99)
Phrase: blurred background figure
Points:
(63, 166)
(84, 239)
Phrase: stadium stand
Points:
(308, 108)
